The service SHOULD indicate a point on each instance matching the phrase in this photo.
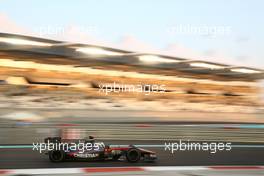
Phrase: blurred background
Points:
(53, 65)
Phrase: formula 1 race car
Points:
(96, 151)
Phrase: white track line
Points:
(124, 169)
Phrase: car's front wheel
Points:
(133, 155)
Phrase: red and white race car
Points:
(96, 151)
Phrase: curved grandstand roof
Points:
(82, 54)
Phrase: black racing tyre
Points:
(56, 156)
(133, 155)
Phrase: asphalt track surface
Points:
(243, 154)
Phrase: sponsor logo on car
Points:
(86, 155)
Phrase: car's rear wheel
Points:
(56, 156)
(133, 155)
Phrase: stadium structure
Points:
(46, 72)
